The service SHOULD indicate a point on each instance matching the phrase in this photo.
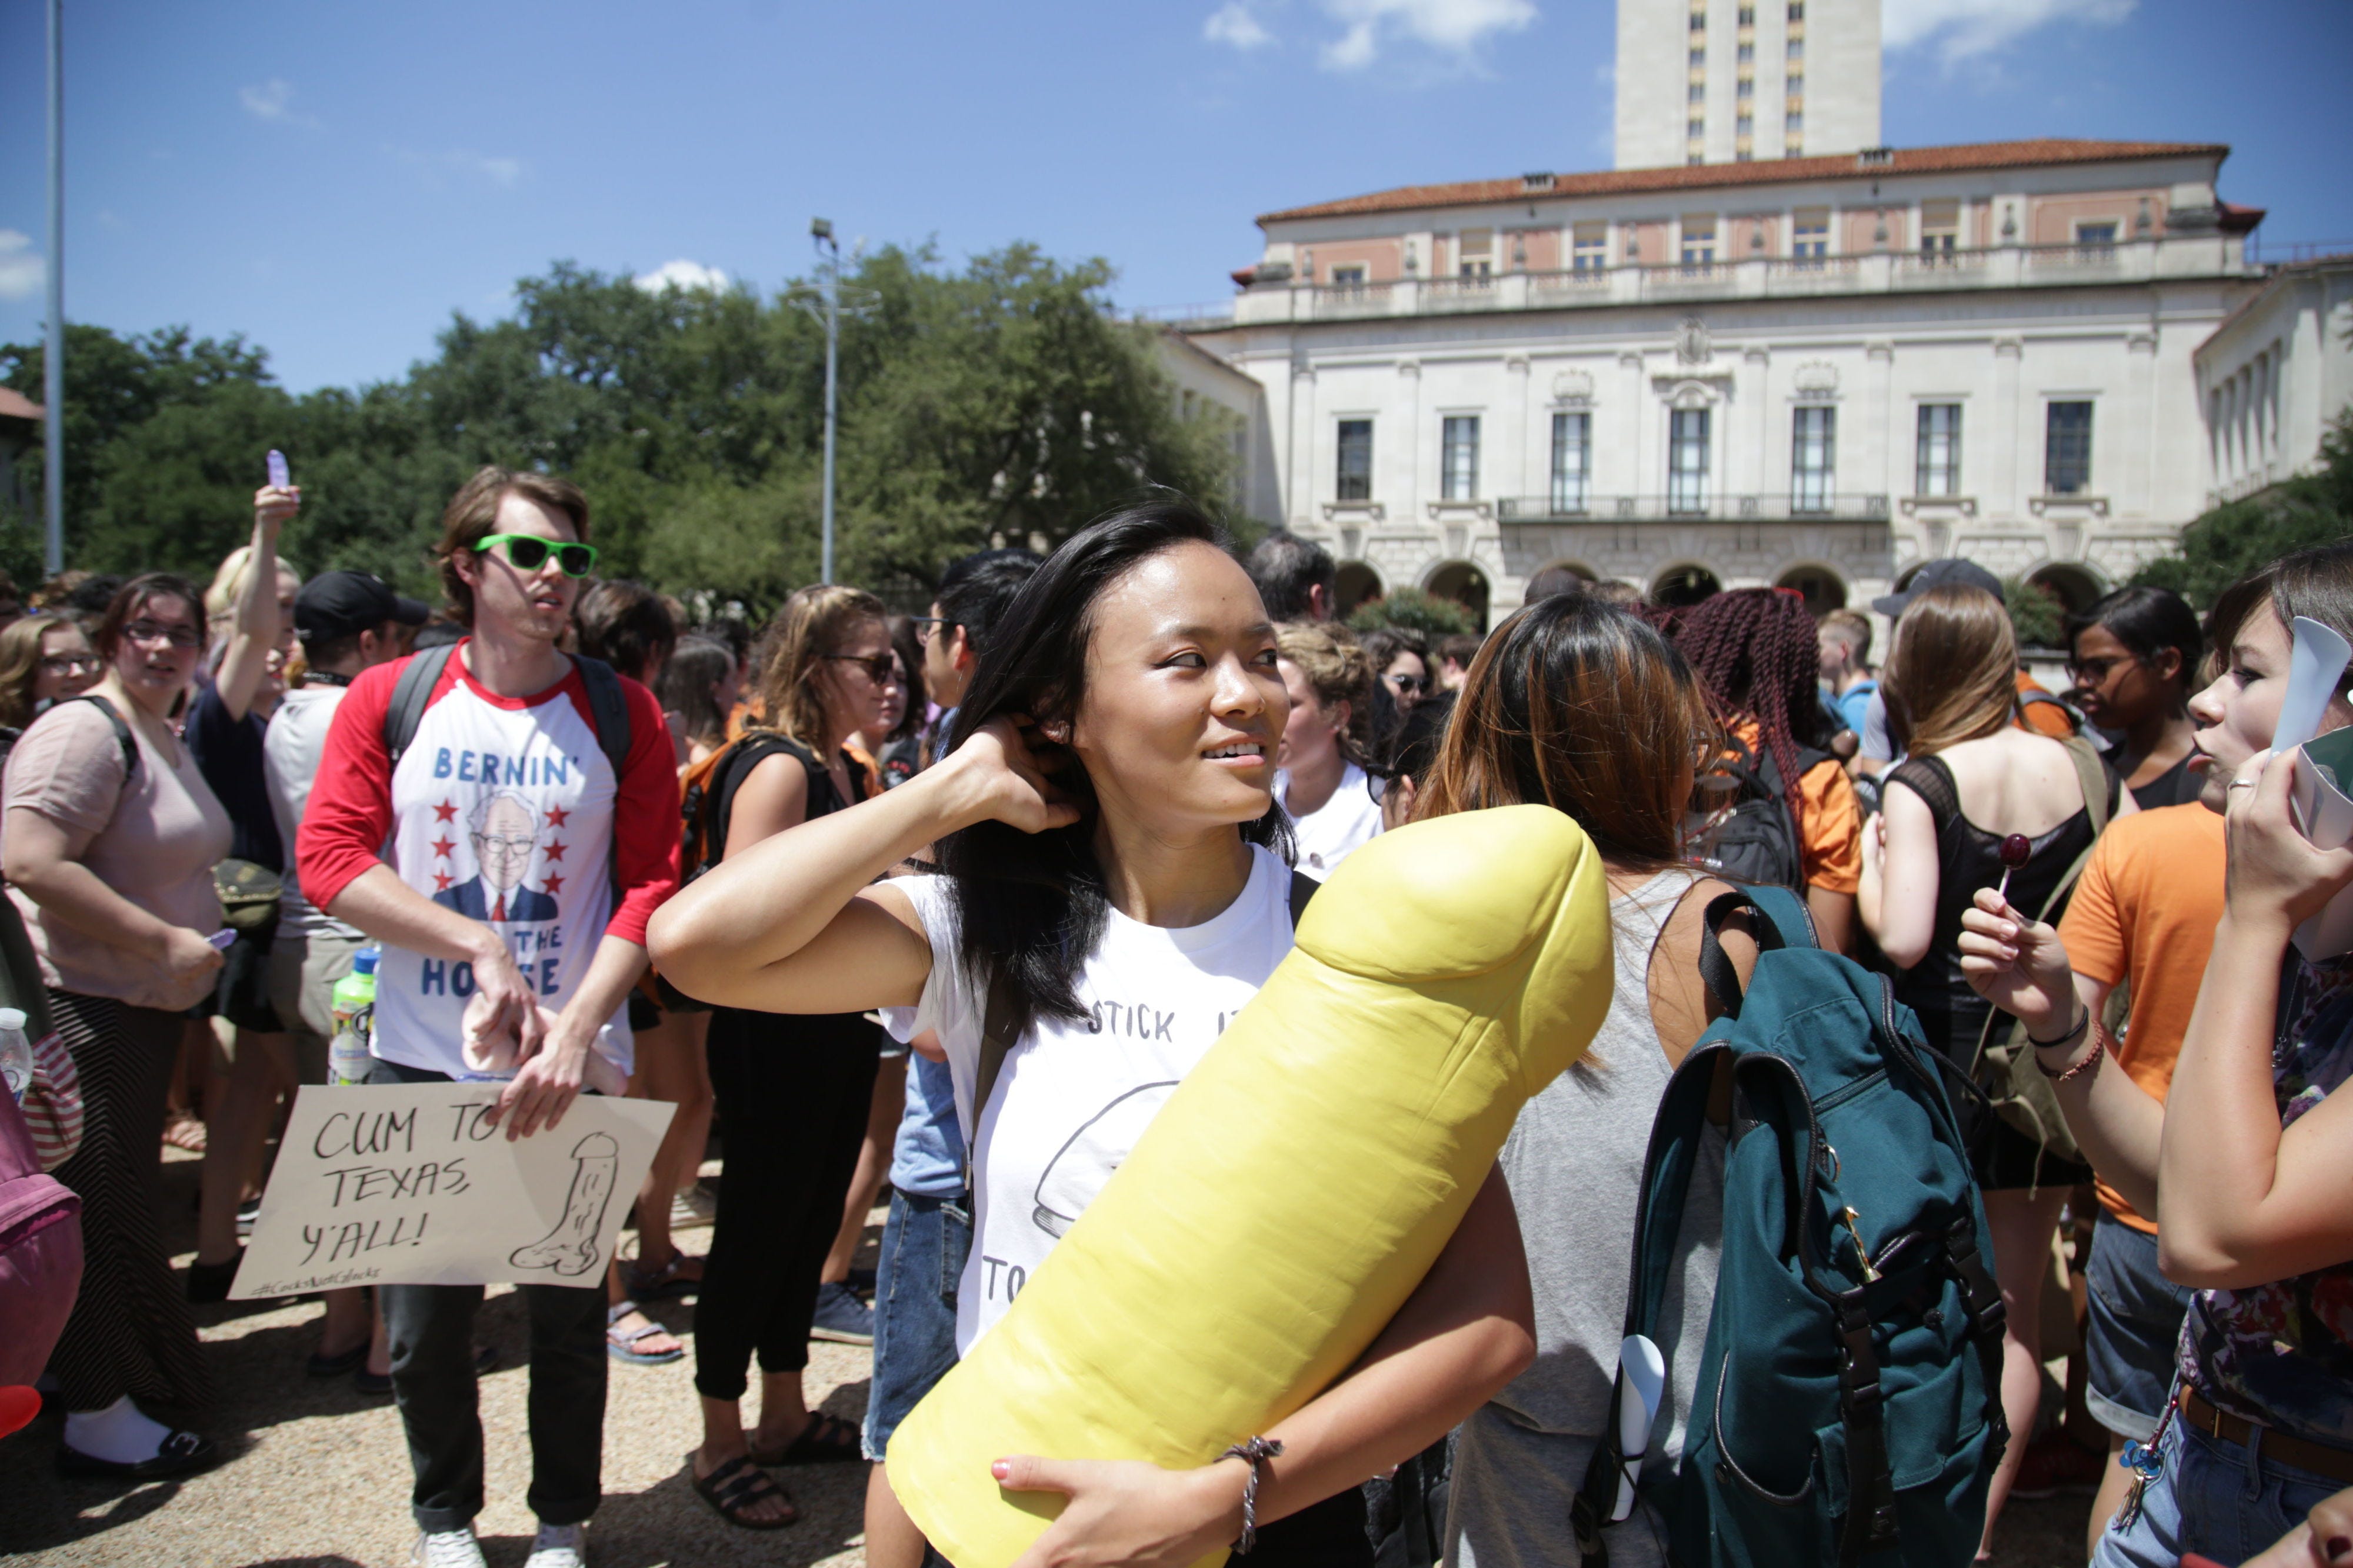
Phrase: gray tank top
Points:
(1574, 1164)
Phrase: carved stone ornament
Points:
(1689, 395)
(1573, 386)
(1691, 345)
(1816, 378)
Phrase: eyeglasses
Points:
(529, 553)
(880, 668)
(928, 626)
(68, 663)
(1408, 685)
(182, 638)
(2091, 671)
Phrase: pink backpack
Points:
(40, 1252)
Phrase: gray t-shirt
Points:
(289, 761)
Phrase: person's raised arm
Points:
(2241, 1201)
(2021, 967)
(790, 926)
(254, 630)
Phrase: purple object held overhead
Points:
(278, 474)
(2016, 851)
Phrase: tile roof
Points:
(1767, 172)
(16, 405)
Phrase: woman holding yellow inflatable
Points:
(1115, 859)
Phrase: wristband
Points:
(2088, 1064)
(1254, 1452)
(2067, 1040)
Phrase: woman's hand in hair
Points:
(2278, 879)
(2018, 964)
(1127, 1512)
(1007, 779)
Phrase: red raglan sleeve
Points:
(349, 815)
(644, 818)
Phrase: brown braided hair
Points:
(1755, 652)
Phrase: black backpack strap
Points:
(1782, 922)
(410, 693)
(1966, 1262)
(610, 707)
(122, 735)
(1863, 1411)
(1302, 887)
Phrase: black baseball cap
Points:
(1947, 572)
(344, 604)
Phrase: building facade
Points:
(2274, 375)
(1723, 81)
(1812, 372)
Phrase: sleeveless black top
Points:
(1969, 857)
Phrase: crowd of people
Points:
(866, 896)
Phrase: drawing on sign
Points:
(571, 1247)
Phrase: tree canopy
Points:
(2227, 542)
(1003, 401)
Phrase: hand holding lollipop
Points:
(2016, 851)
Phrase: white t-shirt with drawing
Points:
(1072, 1099)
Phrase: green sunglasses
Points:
(528, 553)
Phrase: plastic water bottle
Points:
(16, 1054)
(353, 1002)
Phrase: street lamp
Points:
(829, 300)
(53, 358)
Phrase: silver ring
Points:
(2239, 783)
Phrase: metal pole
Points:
(53, 360)
(832, 338)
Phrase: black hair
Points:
(626, 624)
(1285, 566)
(1030, 908)
(975, 591)
(1555, 580)
(2147, 620)
(901, 630)
(1415, 746)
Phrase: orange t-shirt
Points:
(2042, 718)
(1829, 823)
(2145, 912)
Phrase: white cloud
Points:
(1451, 27)
(21, 272)
(508, 171)
(1969, 29)
(274, 100)
(683, 274)
(1233, 24)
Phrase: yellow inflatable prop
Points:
(1298, 1185)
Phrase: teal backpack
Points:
(1848, 1402)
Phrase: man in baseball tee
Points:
(508, 866)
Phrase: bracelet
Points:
(2089, 1064)
(2069, 1039)
(1254, 1452)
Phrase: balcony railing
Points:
(1874, 272)
(1783, 507)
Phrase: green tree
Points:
(1414, 609)
(2037, 616)
(2227, 542)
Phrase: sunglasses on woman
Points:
(529, 553)
(880, 668)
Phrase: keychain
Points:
(2145, 1464)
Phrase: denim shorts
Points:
(2214, 1498)
(924, 1244)
(2134, 1325)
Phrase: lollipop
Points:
(2016, 851)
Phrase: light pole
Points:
(53, 358)
(829, 300)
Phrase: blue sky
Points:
(334, 180)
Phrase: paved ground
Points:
(318, 1476)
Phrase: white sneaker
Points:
(559, 1546)
(694, 1207)
(447, 1549)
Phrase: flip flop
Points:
(621, 1344)
(736, 1484)
(825, 1440)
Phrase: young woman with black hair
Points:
(2134, 658)
(1113, 858)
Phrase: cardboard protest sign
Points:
(410, 1185)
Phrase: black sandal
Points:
(825, 1440)
(736, 1485)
